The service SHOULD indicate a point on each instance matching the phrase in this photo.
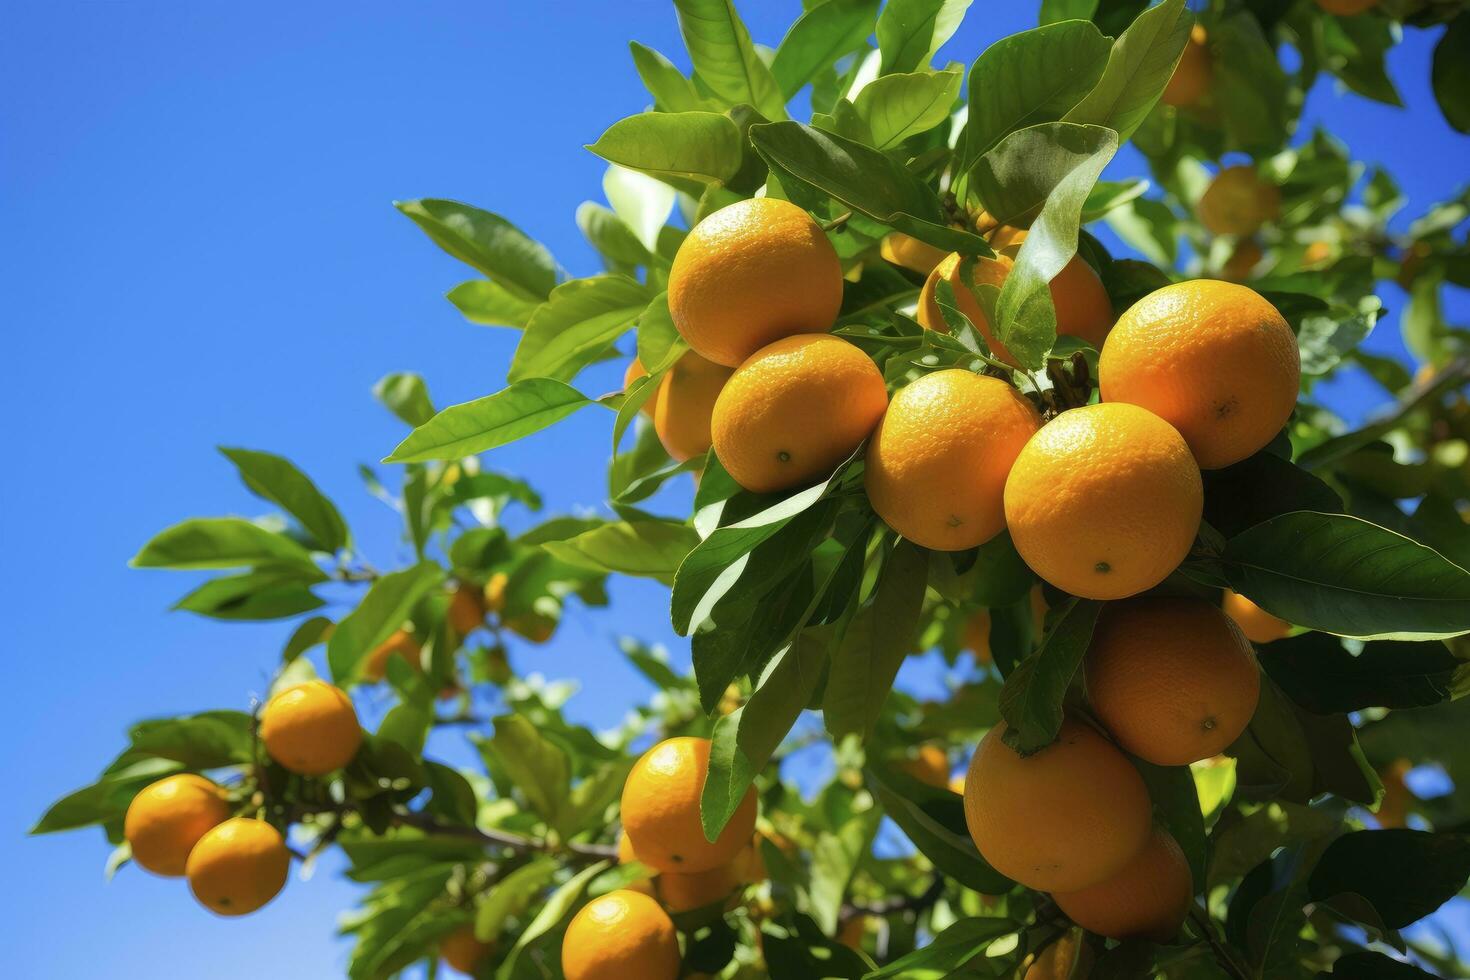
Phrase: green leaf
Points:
(512, 896)
(105, 800)
(1049, 168)
(406, 396)
(1320, 675)
(1031, 700)
(385, 608)
(267, 593)
(671, 91)
(556, 908)
(487, 242)
(306, 636)
(1177, 805)
(861, 178)
(821, 35)
(1340, 574)
(911, 31)
(875, 643)
(1140, 65)
(1032, 77)
(1149, 227)
(210, 740)
(1368, 965)
(694, 145)
(962, 941)
(489, 303)
(575, 326)
(1405, 874)
(1450, 74)
(485, 423)
(896, 107)
(278, 480)
(1356, 48)
(645, 548)
(1248, 85)
(835, 858)
(724, 57)
(659, 342)
(934, 820)
(1261, 487)
(1053, 11)
(220, 542)
(607, 233)
(536, 765)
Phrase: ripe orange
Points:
(1077, 294)
(1104, 502)
(167, 818)
(1258, 625)
(938, 461)
(1246, 256)
(495, 592)
(1063, 818)
(852, 931)
(1068, 958)
(626, 855)
(930, 765)
(977, 636)
(1191, 78)
(466, 611)
(1347, 8)
(1316, 253)
(661, 810)
(1173, 679)
(981, 272)
(682, 893)
(909, 252)
(796, 409)
(311, 728)
(462, 951)
(1398, 800)
(634, 372)
(1147, 899)
(686, 399)
(402, 645)
(750, 864)
(1238, 201)
(750, 274)
(1213, 359)
(238, 866)
(619, 936)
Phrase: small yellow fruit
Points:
(686, 400)
(401, 645)
(930, 765)
(462, 951)
(495, 592)
(238, 866)
(311, 728)
(621, 936)
(1238, 202)
(167, 818)
(909, 252)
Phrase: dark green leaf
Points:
(1140, 65)
(204, 741)
(1031, 700)
(384, 609)
(961, 942)
(1451, 73)
(1405, 874)
(934, 820)
(1259, 488)
(1367, 965)
(1321, 676)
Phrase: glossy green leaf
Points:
(1450, 73)
(384, 608)
(1404, 874)
(896, 107)
(473, 427)
(934, 820)
(1139, 66)
(607, 233)
(489, 243)
(220, 542)
(575, 326)
(406, 396)
(485, 302)
(537, 766)
(823, 33)
(1320, 675)
(671, 90)
(645, 548)
(695, 145)
(278, 480)
(267, 593)
(911, 31)
(724, 57)
(962, 941)
(1031, 700)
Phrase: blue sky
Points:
(198, 248)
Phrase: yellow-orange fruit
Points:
(167, 818)
(622, 935)
(1147, 899)
(635, 371)
(661, 810)
(1068, 958)
(1105, 501)
(977, 636)
(402, 645)
(750, 274)
(852, 931)
(909, 252)
(238, 866)
(686, 892)
(462, 951)
(1213, 359)
(1238, 201)
(1173, 679)
(626, 855)
(930, 765)
(1242, 261)
(311, 728)
(466, 610)
(1191, 78)
(1258, 625)
(1347, 8)
(750, 864)
(1316, 253)
(1081, 302)
(794, 410)
(495, 592)
(953, 269)
(938, 461)
(1398, 800)
(686, 400)
(1063, 818)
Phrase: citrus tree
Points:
(1199, 627)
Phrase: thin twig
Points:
(896, 903)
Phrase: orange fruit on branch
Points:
(1258, 625)
(1238, 201)
(1105, 501)
(930, 765)
(962, 275)
(167, 818)
(684, 403)
(466, 612)
(633, 373)
(1173, 679)
(1063, 818)
(1068, 958)
(311, 728)
(402, 645)
(1148, 899)
(462, 951)
(661, 810)
(938, 461)
(1191, 78)
(686, 892)
(238, 866)
(794, 410)
(622, 935)
(1081, 302)
(1213, 359)
(909, 252)
(750, 274)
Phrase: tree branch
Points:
(897, 903)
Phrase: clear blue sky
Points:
(198, 248)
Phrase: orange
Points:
(626, 856)
(794, 410)
(238, 866)
(462, 951)
(619, 936)
(909, 252)
(981, 272)
(1238, 201)
(930, 765)
(402, 645)
(1246, 256)
(852, 931)
(977, 635)
(686, 892)
(1104, 502)
(1147, 899)
(634, 372)
(938, 462)
(1316, 253)
(1213, 359)
(1191, 78)
(466, 611)
(311, 728)
(1068, 958)
(1398, 800)
(1347, 8)
(661, 810)
(750, 864)
(1060, 819)
(495, 592)
(750, 274)
(686, 399)
(1258, 625)
(1077, 294)
(167, 818)
(1173, 679)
